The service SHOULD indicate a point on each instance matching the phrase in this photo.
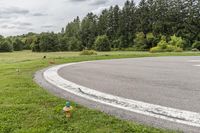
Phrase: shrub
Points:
(88, 52)
(150, 37)
(130, 49)
(115, 49)
(6, 46)
(102, 43)
(178, 49)
(176, 41)
(140, 42)
(156, 49)
(195, 50)
(162, 44)
(173, 46)
(170, 48)
(151, 40)
(116, 44)
(196, 45)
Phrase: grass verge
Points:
(27, 108)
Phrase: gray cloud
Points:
(16, 25)
(13, 26)
(39, 14)
(98, 2)
(14, 10)
(48, 26)
(78, 0)
(92, 2)
(22, 23)
(7, 26)
(4, 20)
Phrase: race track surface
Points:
(159, 91)
(168, 81)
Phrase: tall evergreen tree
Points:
(127, 24)
(192, 22)
(73, 28)
(89, 30)
(102, 24)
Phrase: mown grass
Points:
(27, 108)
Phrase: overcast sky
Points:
(22, 16)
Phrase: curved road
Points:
(169, 82)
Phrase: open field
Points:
(25, 107)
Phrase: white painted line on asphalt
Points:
(157, 111)
(194, 61)
(197, 65)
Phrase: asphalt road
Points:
(171, 82)
(167, 81)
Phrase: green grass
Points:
(27, 108)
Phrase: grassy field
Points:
(27, 108)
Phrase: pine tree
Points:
(103, 22)
(127, 24)
(89, 31)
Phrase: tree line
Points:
(156, 25)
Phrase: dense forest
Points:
(156, 25)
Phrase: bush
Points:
(88, 52)
(102, 43)
(176, 41)
(195, 50)
(116, 44)
(131, 49)
(170, 48)
(150, 37)
(156, 50)
(162, 44)
(6, 46)
(115, 49)
(140, 42)
(178, 49)
(196, 45)
(151, 40)
(173, 46)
